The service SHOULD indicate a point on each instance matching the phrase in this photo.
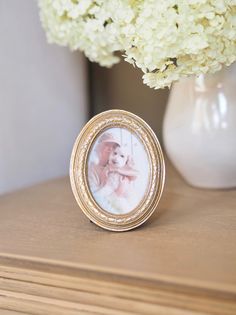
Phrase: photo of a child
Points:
(118, 171)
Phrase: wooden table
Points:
(54, 261)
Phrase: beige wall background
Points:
(122, 87)
(43, 99)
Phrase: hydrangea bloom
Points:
(166, 39)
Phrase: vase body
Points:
(200, 129)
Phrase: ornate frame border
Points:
(78, 170)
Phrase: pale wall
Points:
(43, 102)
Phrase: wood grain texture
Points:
(55, 261)
(6, 312)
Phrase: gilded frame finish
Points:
(79, 166)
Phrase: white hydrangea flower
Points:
(166, 39)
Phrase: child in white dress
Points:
(116, 192)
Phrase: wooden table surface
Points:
(181, 261)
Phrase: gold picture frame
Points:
(98, 204)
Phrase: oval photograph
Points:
(118, 170)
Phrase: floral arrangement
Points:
(166, 39)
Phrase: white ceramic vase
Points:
(200, 129)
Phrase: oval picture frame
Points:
(103, 189)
